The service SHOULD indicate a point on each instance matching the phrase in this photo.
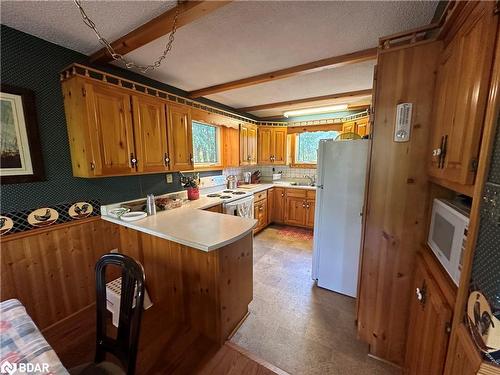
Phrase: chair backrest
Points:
(124, 346)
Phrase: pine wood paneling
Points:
(209, 291)
(52, 271)
(397, 195)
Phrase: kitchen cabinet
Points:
(180, 139)
(299, 207)
(270, 205)
(295, 211)
(310, 209)
(278, 211)
(217, 208)
(260, 214)
(248, 144)
(231, 147)
(107, 127)
(460, 97)
(114, 133)
(349, 127)
(429, 326)
(150, 134)
(271, 144)
(363, 126)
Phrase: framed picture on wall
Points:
(20, 150)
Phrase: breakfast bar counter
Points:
(198, 264)
(202, 230)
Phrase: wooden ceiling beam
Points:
(189, 11)
(348, 94)
(331, 62)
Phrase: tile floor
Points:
(295, 325)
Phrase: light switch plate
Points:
(170, 179)
(402, 130)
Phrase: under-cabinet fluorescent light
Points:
(317, 110)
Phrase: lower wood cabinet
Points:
(281, 205)
(278, 211)
(430, 322)
(299, 207)
(463, 356)
(217, 209)
(260, 214)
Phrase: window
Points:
(306, 146)
(206, 144)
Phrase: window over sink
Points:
(305, 150)
(206, 145)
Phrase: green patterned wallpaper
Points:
(30, 62)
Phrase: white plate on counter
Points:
(133, 216)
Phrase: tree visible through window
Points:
(307, 146)
(205, 143)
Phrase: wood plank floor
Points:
(163, 349)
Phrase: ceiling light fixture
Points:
(316, 111)
(119, 57)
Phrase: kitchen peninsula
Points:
(198, 264)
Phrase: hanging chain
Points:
(119, 57)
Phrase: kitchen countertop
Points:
(267, 185)
(193, 227)
(190, 225)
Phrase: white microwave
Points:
(448, 235)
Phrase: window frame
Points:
(294, 144)
(218, 135)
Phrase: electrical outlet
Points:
(170, 179)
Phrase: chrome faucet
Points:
(312, 180)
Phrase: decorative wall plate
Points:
(6, 224)
(485, 327)
(80, 210)
(43, 217)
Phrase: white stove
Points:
(234, 201)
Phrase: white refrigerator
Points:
(340, 195)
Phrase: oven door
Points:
(446, 235)
(242, 207)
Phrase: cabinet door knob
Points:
(133, 160)
(167, 160)
(92, 165)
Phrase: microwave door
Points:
(446, 236)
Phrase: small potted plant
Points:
(191, 184)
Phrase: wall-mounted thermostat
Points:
(403, 122)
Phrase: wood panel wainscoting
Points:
(51, 270)
(209, 291)
(397, 199)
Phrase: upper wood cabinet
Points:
(359, 126)
(150, 131)
(114, 131)
(180, 137)
(248, 144)
(460, 97)
(111, 132)
(230, 147)
(272, 144)
(100, 129)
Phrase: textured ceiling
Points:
(241, 39)
(60, 22)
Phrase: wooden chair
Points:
(124, 346)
